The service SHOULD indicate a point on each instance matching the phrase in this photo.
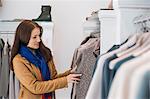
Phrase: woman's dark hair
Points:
(22, 36)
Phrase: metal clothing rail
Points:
(142, 19)
(7, 32)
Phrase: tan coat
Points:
(31, 84)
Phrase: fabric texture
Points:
(122, 77)
(117, 66)
(139, 82)
(106, 77)
(84, 59)
(4, 74)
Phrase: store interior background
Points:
(68, 17)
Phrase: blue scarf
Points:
(38, 60)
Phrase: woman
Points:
(33, 64)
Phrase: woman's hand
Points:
(73, 78)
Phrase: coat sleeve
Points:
(28, 80)
(54, 71)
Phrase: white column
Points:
(108, 29)
(126, 11)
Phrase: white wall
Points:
(68, 17)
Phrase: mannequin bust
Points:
(110, 4)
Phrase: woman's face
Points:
(34, 39)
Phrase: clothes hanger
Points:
(146, 36)
(144, 41)
(131, 42)
(141, 43)
(123, 54)
(140, 47)
(137, 39)
(147, 45)
(144, 30)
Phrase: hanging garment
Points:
(119, 87)
(139, 82)
(95, 86)
(86, 70)
(86, 39)
(11, 85)
(141, 43)
(14, 86)
(4, 74)
(78, 53)
(106, 76)
(114, 47)
(2, 43)
(95, 65)
(119, 62)
(115, 64)
(85, 66)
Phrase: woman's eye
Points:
(34, 37)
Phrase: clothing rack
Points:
(7, 36)
(7, 32)
(142, 19)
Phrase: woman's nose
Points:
(38, 39)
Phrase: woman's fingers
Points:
(73, 81)
(73, 78)
(76, 75)
(77, 79)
